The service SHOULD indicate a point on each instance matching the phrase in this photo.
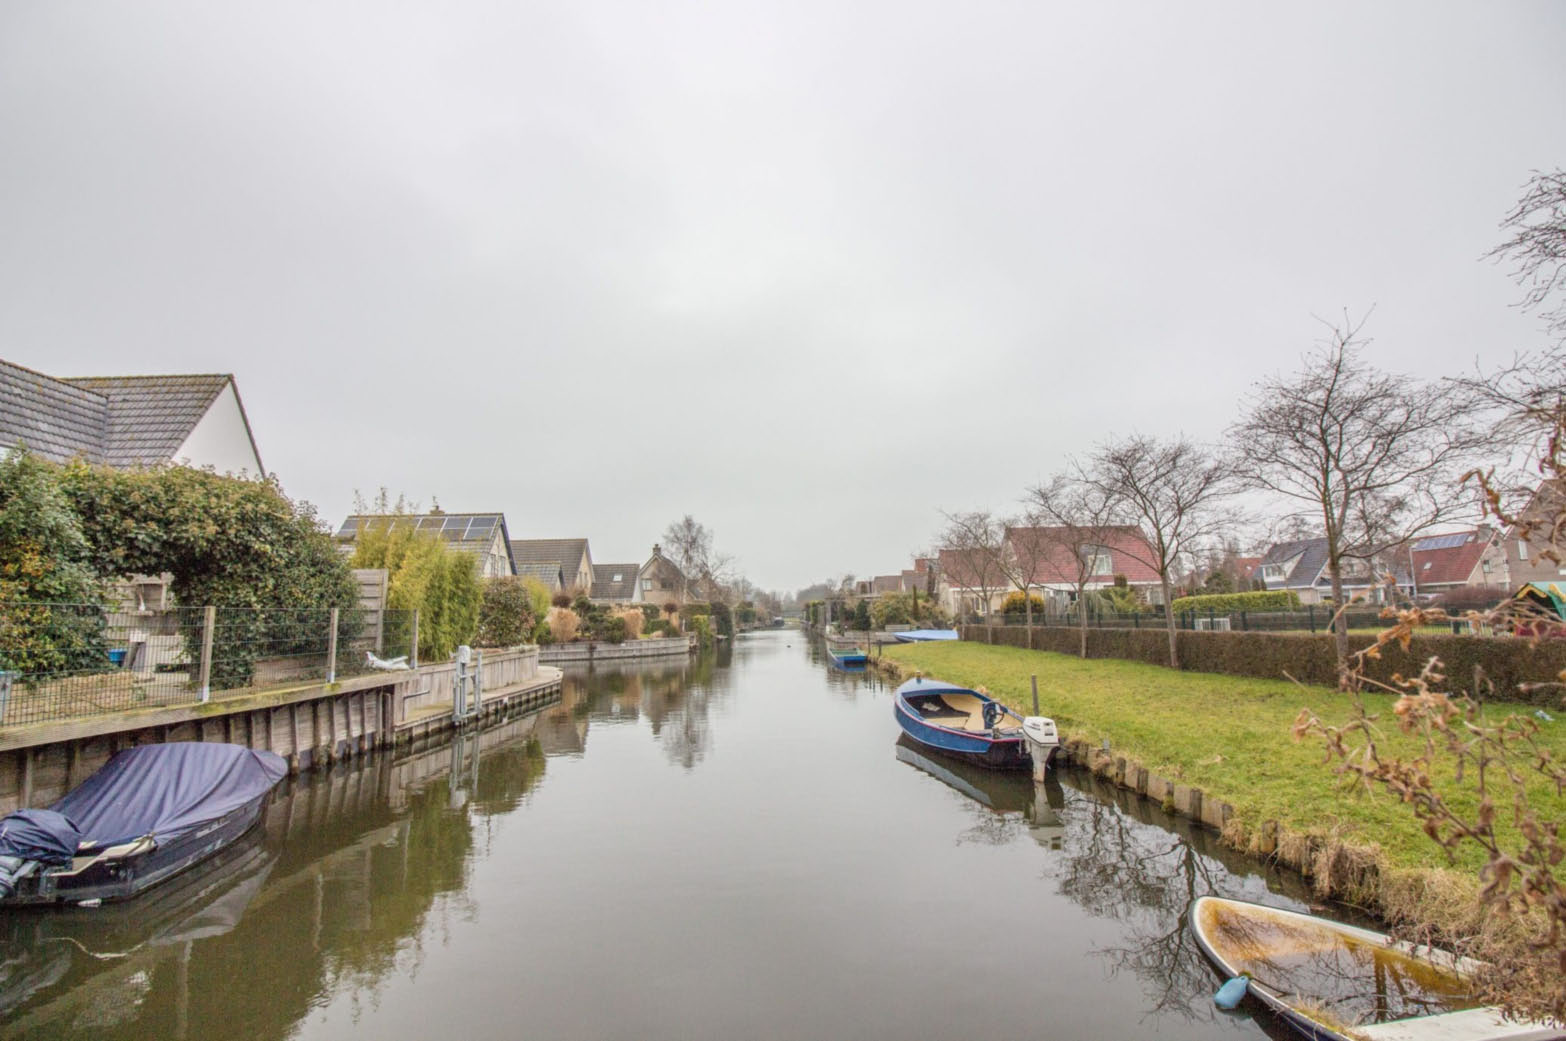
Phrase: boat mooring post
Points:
(1035, 694)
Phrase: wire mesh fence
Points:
(59, 661)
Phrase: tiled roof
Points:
(607, 586)
(549, 574)
(149, 417)
(886, 584)
(1129, 554)
(968, 569)
(1445, 560)
(913, 579)
(567, 553)
(54, 419)
(1246, 566)
(1312, 555)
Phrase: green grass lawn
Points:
(1229, 735)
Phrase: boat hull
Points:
(122, 879)
(1004, 753)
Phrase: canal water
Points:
(734, 847)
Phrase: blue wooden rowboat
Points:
(850, 659)
(966, 724)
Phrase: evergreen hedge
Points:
(1509, 668)
(1226, 603)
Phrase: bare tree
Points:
(977, 543)
(1070, 522)
(1375, 458)
(689, 545)
(1537, 247)
(1172, 491)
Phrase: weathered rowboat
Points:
(1336, 982)
(149, 813)
(973, 726)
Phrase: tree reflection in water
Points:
(1122, 858)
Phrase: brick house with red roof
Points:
(1116, 552)
(1451, 561)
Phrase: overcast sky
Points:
(808, 271)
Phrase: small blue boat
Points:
(850, 659)
(964, 723)
(925, 635)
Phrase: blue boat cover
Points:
(924, 635)
(166, 790)
(42, 835)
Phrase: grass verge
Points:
(1228, 735)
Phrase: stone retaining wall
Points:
(630, 650)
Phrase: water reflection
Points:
(1006, 804)
(323, 897)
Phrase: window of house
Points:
(617, 577)
(1522, 550)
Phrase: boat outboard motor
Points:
(1042, 740)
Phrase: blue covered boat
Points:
(146, 815)
(972, 726)
(925, 635)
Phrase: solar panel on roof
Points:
(350, 526)
(1443, 542)
(431, 523)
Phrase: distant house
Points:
(128, 421)
(1444, 562)
(550, 575)
(1300, 565)
(969, 583)
(660, 581)
(481, 534)
(615, 583)
(572, 555)
(883, 585)
(1116, 552)
(1523, 558)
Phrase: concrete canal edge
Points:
(587, 652)
(309, 725)
(1336, 870)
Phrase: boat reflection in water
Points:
(1008, 796)
(318, 901)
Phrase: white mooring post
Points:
(478, 682)
(208, 623)
(331, 649)
(413, 651)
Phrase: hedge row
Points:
(1504, 664)
(1224, 603)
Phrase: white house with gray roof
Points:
(128, 421)
(1301, 565)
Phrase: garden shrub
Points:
(650, 613)
(43, 565)
(722, 618)
(1228, 603)
(1014, 604)
(427, 575)
(506, 614)
(563, 624)
(263, 560)
(561, 600)
(634, 621)
(1472, 598)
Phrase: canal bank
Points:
(310, 725)
(650, 858)
(1219, 750)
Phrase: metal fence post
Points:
(331, 649)
(1244, 625)
(1310, 614)
(208, 623)
(413, 652)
